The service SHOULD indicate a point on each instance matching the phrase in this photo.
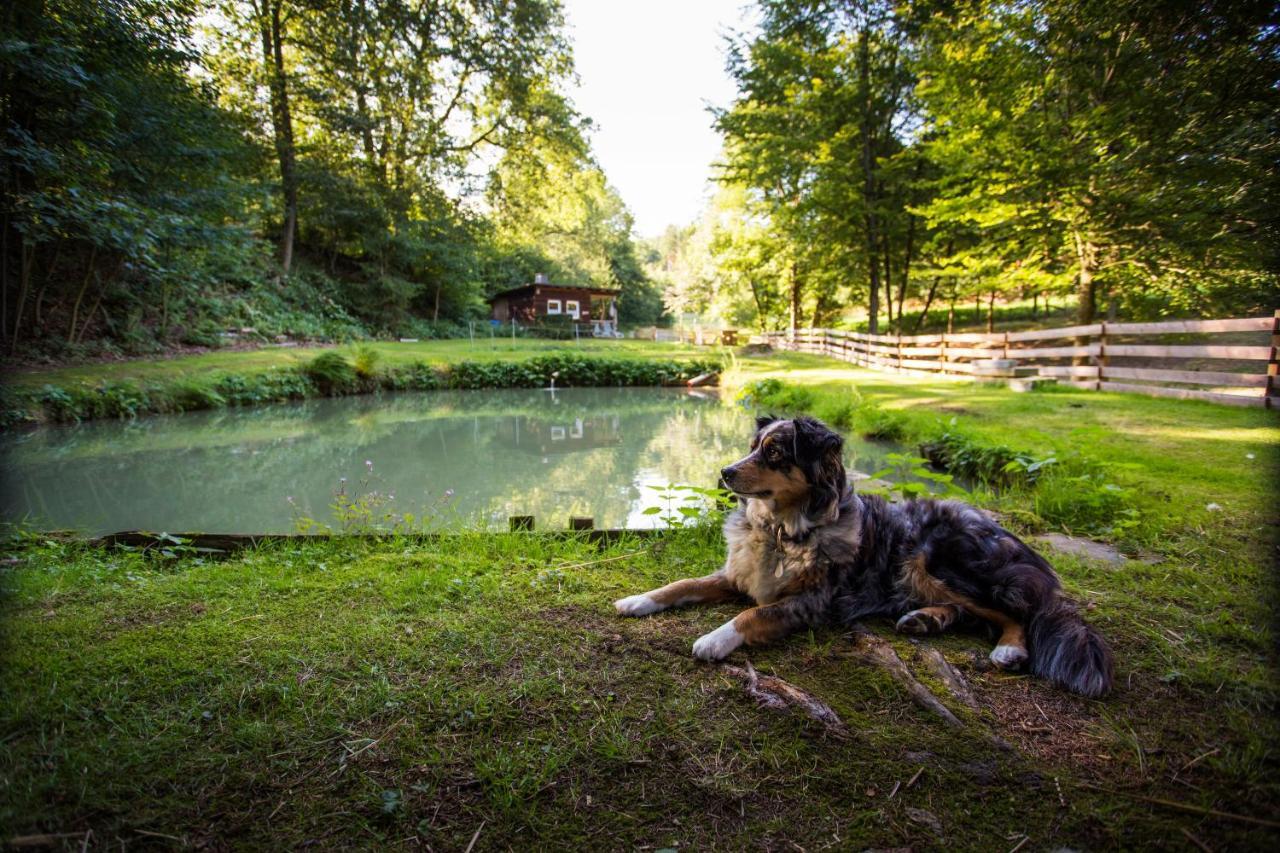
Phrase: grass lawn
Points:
(480, 690)
(248, 362)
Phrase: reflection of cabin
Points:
(532, 303)
(544, 438)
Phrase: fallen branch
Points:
(949, 676)
(877, 650)
(772, 692)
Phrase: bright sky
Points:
(648, 71)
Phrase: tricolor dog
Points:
(809, 551)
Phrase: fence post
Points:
(942, 356)
(1102, 356)
(1271, 401)
(899, 345)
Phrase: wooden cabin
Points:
(534, 303)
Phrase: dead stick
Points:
(1186, 807)
(1196, 841)
(476, 836)
(915, 777)
(597, 562)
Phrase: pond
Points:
(467, 457)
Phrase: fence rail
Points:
(1081, 356)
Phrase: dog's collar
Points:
(778, 532)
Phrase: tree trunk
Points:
(26, 255)
(928, 300)
(755, 297)
(868, 179)
(906, 267)
(951, 311)
(1086, 288)
(282, 122)
(84, 286)
(991, 313)
(873, 307)
(888, 286)
(795, 299)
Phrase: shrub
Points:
(570, 370)
(1084, 502)
(365, 360)
(189, 396)
(332, 374)
(58, 404)
(418, 376)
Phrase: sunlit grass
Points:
(389, 354)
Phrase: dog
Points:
(810, 551)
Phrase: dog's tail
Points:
(1065, 650)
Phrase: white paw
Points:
(637, 605)
(718, 644)
(1008, 657)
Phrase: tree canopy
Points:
(309, 167)
(1124, 153)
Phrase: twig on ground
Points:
(597, 562)
(1186, 807)
(772, 692)
(1193, 762)
(1020, 844)
(475, 837)
(915, 777)
(1196, 841)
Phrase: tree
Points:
(1131, 141)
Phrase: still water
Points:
(469, 457)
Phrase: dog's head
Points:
(794, 467)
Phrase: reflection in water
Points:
(471, 456)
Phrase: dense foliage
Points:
(322, 169)
(880, 154)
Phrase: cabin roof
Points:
(529, 288)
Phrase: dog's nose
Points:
(726, 473)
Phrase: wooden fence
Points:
(1101, 356)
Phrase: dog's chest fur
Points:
(768, 566)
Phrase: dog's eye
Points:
(773, 453)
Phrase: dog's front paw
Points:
(637, 605)
(1009, 657)
(718, 644)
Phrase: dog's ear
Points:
(763, 421)
(823, 449)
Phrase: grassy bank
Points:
(215, 380)
(347, 693)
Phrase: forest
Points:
(341, 169)
(881, 156)
(175, 168)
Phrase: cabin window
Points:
(571, 308)
(553, 306)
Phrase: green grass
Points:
(362, 693)
(210, 382)
(389, 354)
